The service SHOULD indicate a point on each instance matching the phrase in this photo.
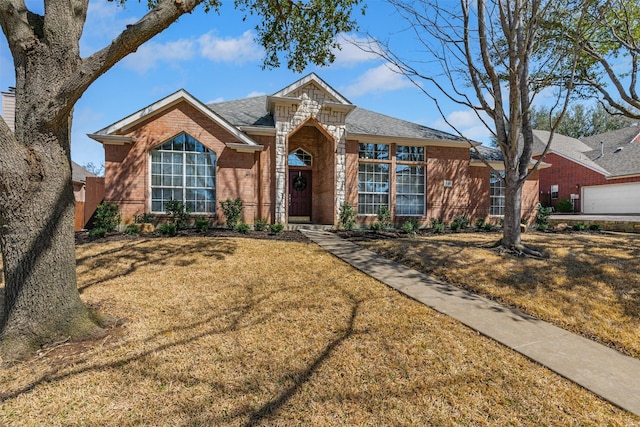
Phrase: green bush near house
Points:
(564, 206)
(107, 217)
(542, 218)
(97, 233)
(243, 228)
(201, 224)
(459, 223)
(479, 223)
(144, 218)
(276, 228)
(132, 229)
(232, 210)
(410, 226)
(168, 229)
(377, 226)
(260, 225)
(595, 227)
(384, 217)
(579, 226)
(347, 216)
(178, 213)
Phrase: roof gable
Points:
(315, 81)
(111, 134)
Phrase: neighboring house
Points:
(295, 156)
(88, 189)
(599, 175)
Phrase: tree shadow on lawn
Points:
(571, 278)
(140, 253)
(245, 314)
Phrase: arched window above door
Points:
(300, 157)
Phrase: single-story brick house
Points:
(295, 156)
(599, 174)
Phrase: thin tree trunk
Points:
(512, 208)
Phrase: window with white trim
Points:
(554, 191)
(183, 169)
(373, 178)
(410, 181)
(497, 194)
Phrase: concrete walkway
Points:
(607, 373)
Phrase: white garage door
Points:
(611, 199)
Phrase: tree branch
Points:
(15, 20)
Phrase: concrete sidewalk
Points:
(607, 373)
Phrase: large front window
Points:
(496, 188)
(183, 169)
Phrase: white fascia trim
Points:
(258, 130)
(168, 102)
(112, 139)
(631, 175)
(420, 142)
(244, 148)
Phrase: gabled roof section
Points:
(111, 134)
(79, 173)
(312, 78)
(570, 148)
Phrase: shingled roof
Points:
(619, 152)
(253, 112)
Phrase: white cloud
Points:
(467, 122)
(351, 54)
(255, 93)
(377, 80)
(235, 50)
(151, 53)
(215, 101)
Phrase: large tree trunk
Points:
(42, 303)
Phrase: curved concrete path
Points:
(606, 372)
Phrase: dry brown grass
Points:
(590, 283)
(244, 332)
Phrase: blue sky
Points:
(215, 58)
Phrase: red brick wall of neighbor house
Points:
(127, 167)
(567, 175)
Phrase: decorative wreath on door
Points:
(299, 183)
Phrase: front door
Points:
(300, 193)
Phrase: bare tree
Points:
(611, 53)
(493, 57)
(41, 300)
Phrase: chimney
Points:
(9, 107)
(601, 148)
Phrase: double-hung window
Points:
(183, 169)
(373, 178)
(496, 194)
(410, 181)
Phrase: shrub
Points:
(347, 216)
(459, 222)
(107, 217)
(168, 229)
(132, 229)
(579, 226)
(542, 218)
(97, 233)
(384, 217)
(243, 228)
(276, 228)
(595, 227)
(410, 226)
(564, 205)
(260, 225)
(377, 226)
(202, 224)
(144, 218)
(488, 226)
(479, 223)
(178, 213)
(232, 209)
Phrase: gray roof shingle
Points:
(620, 153)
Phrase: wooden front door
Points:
(300, 193)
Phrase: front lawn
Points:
(243, 332)
(589, 284)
